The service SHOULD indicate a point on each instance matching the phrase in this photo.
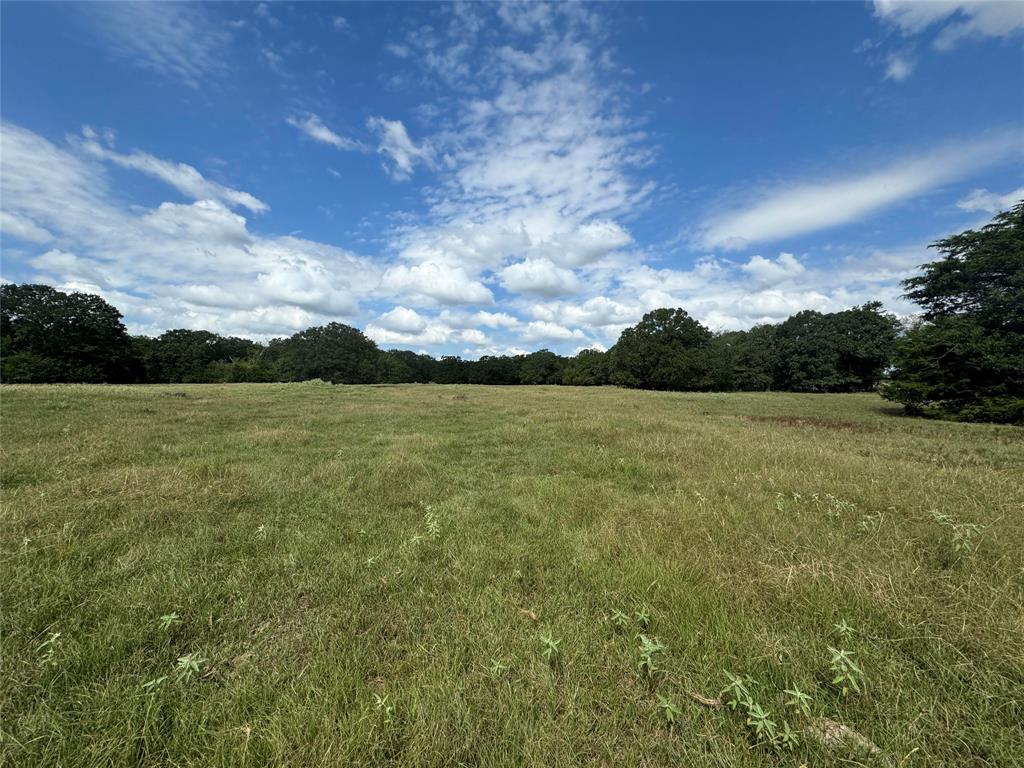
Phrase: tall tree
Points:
(667, 349)
(333, 352)
(965, 358)
(49, 335)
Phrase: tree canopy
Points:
(964, 359)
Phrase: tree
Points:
(745, 360)
(333, 352)
(667, 349)
(964, 359)
(587, 369)
(541, 367)
(187, 356)
(47, 335)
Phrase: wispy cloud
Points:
(396, 145)
(179, 41)
(314, 128)
(809, 206)
(959, 20)
(182, 177)
(981, 200)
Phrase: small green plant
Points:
(384, 707)
(780, 505)
(619, 619)
(847, 675)
(788, 738)
(844, 630)
(966, 537)
(47, 651)
(737, 693)
(169, 621)
(433, 523)
(498, 668)
(798, 700)
(189, 666)
(643, 617)
(549, 648)
(759, 721)
(650, 648)
(669, 709)
(153, 685)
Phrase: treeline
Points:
(51, 336)
(964, 358)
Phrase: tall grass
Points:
(427, 575)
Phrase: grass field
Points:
(366, 575)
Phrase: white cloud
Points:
(898, 67)
(182, 177)
(23, 228)
(314, 128)
(804, 207)
(396, 145)
(769, 272)
(541, 330)
(539, 276)
(966, 18)
(179, 41)
(402, 319)
(990, 202)
(437, 283)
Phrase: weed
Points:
(188, 666)
(650, 648)
(798, 700)
(620, 620)
(788, 738)
(498, 668)
(643, 617)
(153, 685)
(871, 523)
(765, 730)
(433, 523)
(737, 693)
(844, 630)
(169, 621)
(385, 708)
(669, 710)
(846, 674)
(550, 648)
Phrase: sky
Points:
(479, 179)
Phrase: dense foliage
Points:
(53, 336)
(965, 358)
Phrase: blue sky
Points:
(481, 179)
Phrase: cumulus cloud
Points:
(438, 283)
(810, 206)
(539, 276)
(313, 127)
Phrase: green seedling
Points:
(736, 693)
(619, 619)
(847, 675)
(765, 730)
(643, 617)
(433, 524)
(498, 668)
(549, 648)
(788, 738)
(649, 650)
(669, 710)
(798, 700)
(384, 706)
(844, 630)
(189, 666)
(152, 685)
(168, 621)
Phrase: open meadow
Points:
(427, 575)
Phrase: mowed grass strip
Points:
(364, 575)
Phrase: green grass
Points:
(369, 572)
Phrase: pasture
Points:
(425, 575)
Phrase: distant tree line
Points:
(963, 359)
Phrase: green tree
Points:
(964, 359)
(667, 349)
(589, 368)
(47, 335)
(541, 367)
(333, 352)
